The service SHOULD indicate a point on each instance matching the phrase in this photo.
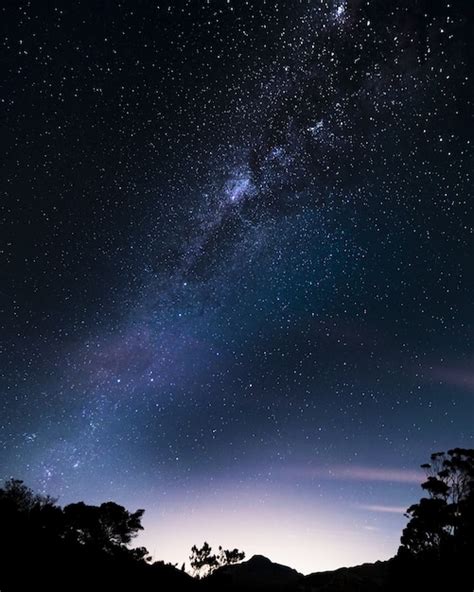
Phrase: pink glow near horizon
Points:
(292, 529)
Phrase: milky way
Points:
(237, 264)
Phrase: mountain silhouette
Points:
(368, 577)
(256, 574)
(260, 574)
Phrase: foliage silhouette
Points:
(42, 541)
(203, 562)
(229, 557)
(437, 544)
(441, 522)
(106, 527)
(82, 546)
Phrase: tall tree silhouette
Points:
(443, 520)
(438, 541)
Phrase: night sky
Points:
(237, 264)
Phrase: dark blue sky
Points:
(237, 284)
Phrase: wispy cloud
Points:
(384, 509)
(360, 473)
(376, 474)
(455, 376)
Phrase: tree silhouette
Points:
(25, 515)
(441, 520)
(204, 562)
(439, 537)
(40, 540)
(21, 498)
(107, 527)
(227, 557)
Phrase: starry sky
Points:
(236, 264)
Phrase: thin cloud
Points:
(374, 474)
(384, 509)
(460, 377)
(361, 473)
